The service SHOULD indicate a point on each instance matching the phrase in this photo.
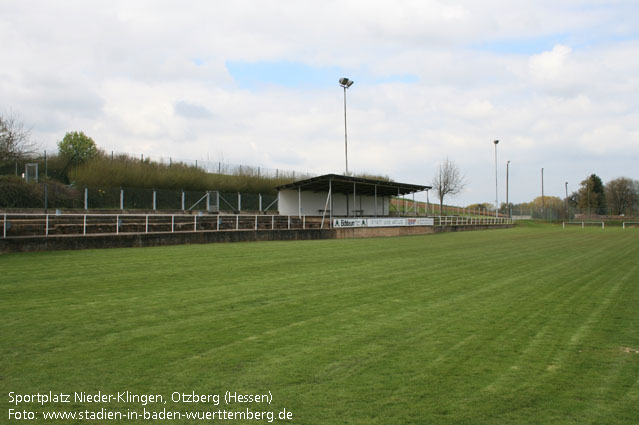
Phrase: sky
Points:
(256, 83)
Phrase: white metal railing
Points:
(470, 221)
(582, 223)
(636, 224)
(34, 224)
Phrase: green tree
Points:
(77, 146)
(622, 195)
(592, 196)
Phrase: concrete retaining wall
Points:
(55, 243)
(373, 232)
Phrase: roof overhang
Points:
(346, 184)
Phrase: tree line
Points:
(617, 197)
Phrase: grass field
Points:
(533, 325)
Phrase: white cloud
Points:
(133, 75)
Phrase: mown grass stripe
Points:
(511, 326)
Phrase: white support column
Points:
(304, 222)
(256, 222)
(195, 224)
(86, 198)
(330, 192)
(272, 222)
(208, 200)
(146, 225)
(183, 201)
(414, 205)
(326, 206)
(84, 225)
(289, 222)
(354, 199)
(375, 201)
(122, 199)
(299, 202)
(172, 223)
(260, 201)
(239, 202)
(237, 222)
(46, 226)
(155, 200)
(117, 224)
(4, 227)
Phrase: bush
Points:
(125, 171)
(16, 193)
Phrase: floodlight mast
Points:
(345, 83)
(496, 192)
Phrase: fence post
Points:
(84, 225)
(172, 223)
(239, 201)
(121, 199)
(46, 227)
(4, 227)
(237, 222)
(289, 222)
(155, 197)
(117, 224)
(208, 200)
(146, 224)
(195, 223)
(260, 197)
(304, 222)
(182, 200)
(272, 221)
(86, 198)
(256, 222)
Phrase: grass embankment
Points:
(533, 325)
(124, 171)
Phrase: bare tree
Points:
(448, 181)
(15, 139)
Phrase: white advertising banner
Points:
(349, 222)
(383, 222)
(421, 221)
(386, 222)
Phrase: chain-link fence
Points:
(220, 167)
(53, 195)
(51, 166)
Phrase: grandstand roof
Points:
(344, 184)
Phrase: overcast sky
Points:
(256, 83)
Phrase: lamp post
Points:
(345, 83)
(566, 200)
(510, 215)
(496, 193)
(543, 202)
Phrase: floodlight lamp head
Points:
(345, 82)
(496, 141)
